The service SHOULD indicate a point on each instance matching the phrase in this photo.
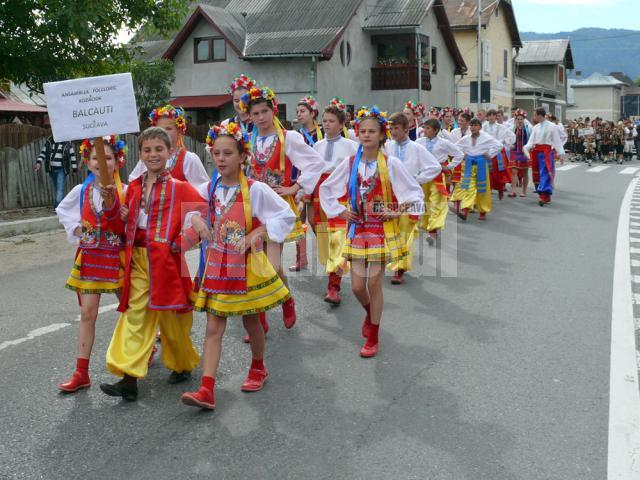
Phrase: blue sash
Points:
(481, 177)
(88, 181)
(308, 137)
(353, 190)
(204, 244)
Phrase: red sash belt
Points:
(535, 167)
(140, 239)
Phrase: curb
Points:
(32, 225)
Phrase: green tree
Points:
(49, 40)
(637, 81)
(152, 84)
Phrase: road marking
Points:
(54, 327)
(624, 398)
(598, 169)
(634, 250)
(567, 167)
(629, 171)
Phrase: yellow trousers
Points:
(472, 197)
(408, 231)
(458, 193)
(436, 208)
(331, 242)
(135, 332)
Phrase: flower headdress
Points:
(339, 103)
(231, 130)
(447, 110)
(311, 102)
(418, 109)
(242, 81)
(519, 112)
(375, 113)
(435, 112)
(169, 111)
(119, 148)
(256, 93)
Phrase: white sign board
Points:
(583, 132)
(92, 107)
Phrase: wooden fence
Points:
(22, 187)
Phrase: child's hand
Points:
(108, 192)
(78, 232)
(201, 228)
(349, 216)
(249, 241)
(124, 213)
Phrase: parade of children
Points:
(354, 191)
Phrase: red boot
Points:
(203, 398)
(256, 378)
(366, 324)
(482, 216)
(398, 278)
(370, 348)
(262, 317)
(457, 204)
(289, 313)
(80, 378)
(432, 237)
(152, 357)
(301, 256)
(333, 289)
(463, 214)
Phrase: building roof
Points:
(545, 52)
(273, 28)
(527, 84)
(200, 101)
(463, 15)
(632, 88)
(8, 105)
(598, 80)
(384, 14)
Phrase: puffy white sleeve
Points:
(139, 169)
(429, 166)
(333, 188)
(494, 147)
(194, 170)
(69, 214)
(530, 143)
(445, 134)
(455, 153)
(203, 190)
(405, 188)
(509, 137)
(305, 159)
(272, 211)
(555, 140)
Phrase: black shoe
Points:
(176, 377)
(124, 388)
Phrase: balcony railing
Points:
(399, 77)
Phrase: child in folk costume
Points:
(479, 148)
(415, 113)
(90, 214)
(448, 124)
(425, 169)
(618, 141)
(236, 279)
(500, 174)
(275, 153)
(436, 195)
(331, 232)
(156, 283)
(240, 85)
(630, 137)
(373, 183)
(307, 116)
(183, 165)
(542, 148)
(519, 162)
(463, 130)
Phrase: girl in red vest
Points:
(235, 277)
(275, 153)
(90, 214)
(183, 164)
(379, 189)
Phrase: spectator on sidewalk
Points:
(59, 160)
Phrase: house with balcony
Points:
(363, 51)
(500, 38)
(542, 68)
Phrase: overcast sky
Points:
(551, 16)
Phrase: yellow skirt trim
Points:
(79, 285)
(265, 291)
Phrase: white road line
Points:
(566, 167)
(629, 171)
(634, 230)
(54, 327)
(598, 169)
(635, 278)
(634, 250)
(635, 263)
(624, 398)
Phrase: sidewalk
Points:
(27, 221)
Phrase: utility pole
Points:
(479, 55)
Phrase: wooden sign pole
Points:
(102, 164)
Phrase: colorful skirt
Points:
(370, 243)
(298, 231)
(265, 291)
(97, 270)
(519, 161)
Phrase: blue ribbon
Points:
(353, 190)
(308, 137)
(205, 244)
(88, 181)
(500, 162)
(481, 178)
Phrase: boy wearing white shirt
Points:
(457, 134)
(422, 166)
(435, 192)
(500, 174)
(331, 232)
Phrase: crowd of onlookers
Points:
(596, 139)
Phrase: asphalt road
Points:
(500, 372)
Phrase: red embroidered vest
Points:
(270, 171)
(99, 231)
(177, 171)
